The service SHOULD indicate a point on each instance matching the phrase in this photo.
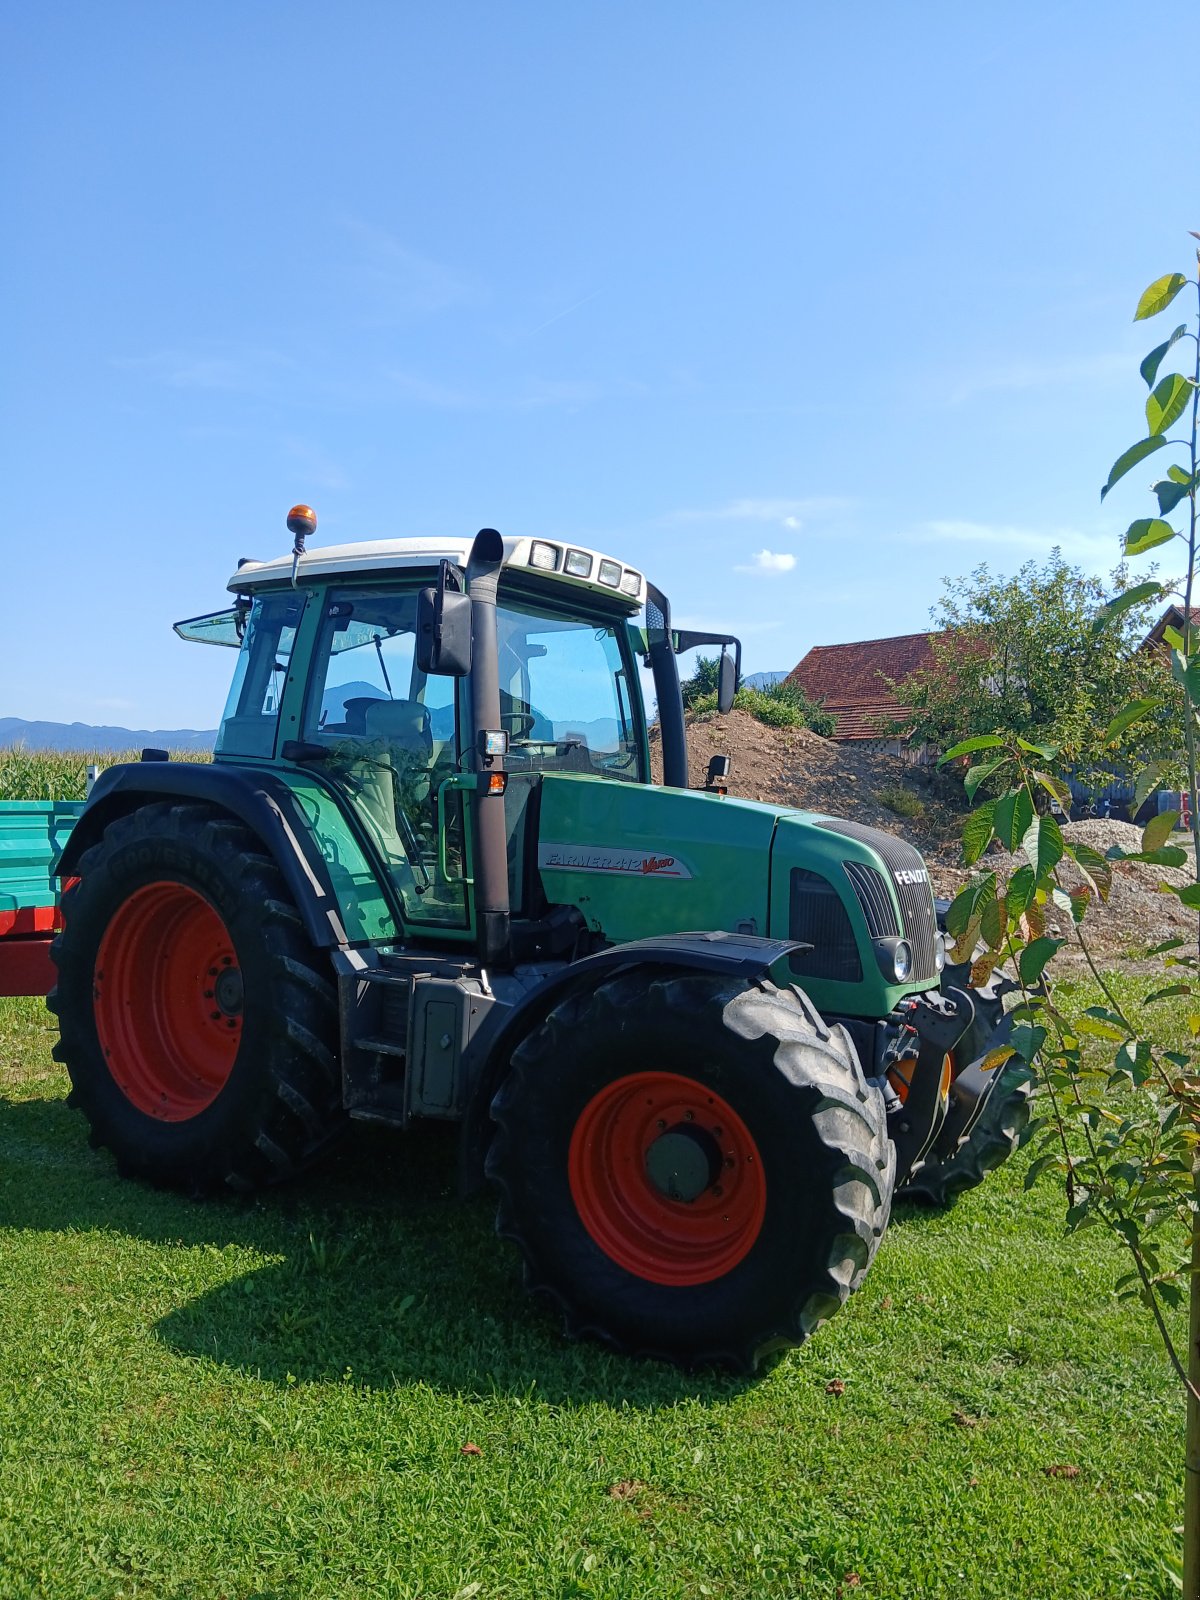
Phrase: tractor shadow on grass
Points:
(370, 1271)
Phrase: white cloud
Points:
(770, 561)
(1021, 375)
(402, 282)
(995, 542)
(787, 513)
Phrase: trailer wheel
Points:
(693, 1169)
(197, 1023)
(1001, 1126)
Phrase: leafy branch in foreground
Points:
(1121, 1084)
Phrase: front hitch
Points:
(939, 1024)
(972, 1085)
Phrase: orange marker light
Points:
(302, 520)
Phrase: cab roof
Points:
(551, 561)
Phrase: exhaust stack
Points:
(491, 841)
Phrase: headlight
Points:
(902, 961)
(940, 944)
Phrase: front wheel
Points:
(692, 1168)
(197, 1023)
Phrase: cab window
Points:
(565, 698)
(252, 709)
(392, 739)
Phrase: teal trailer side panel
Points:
(32, 834)
(640, 861)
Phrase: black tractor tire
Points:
(724, 1229)
(1001, 1126)
(196, 1021)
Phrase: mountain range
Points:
(87, 736)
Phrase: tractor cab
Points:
(338, 675)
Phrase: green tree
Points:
(783, 705)
(1018, 656)
(1120, 1079)
(702, 683)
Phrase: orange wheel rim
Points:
(667, 1179)
(167, 997)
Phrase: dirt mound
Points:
(796, 767)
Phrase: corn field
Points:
(61, 774)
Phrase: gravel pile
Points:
(1138, 912)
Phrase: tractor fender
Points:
(259, 799)
(728, 954)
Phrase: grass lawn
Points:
(273, 1399)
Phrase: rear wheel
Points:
(692, 1168)
(198, 1025)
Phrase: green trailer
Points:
(695, 1043)
(33, 834)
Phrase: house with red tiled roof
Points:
(851, 682)
(1172, 617)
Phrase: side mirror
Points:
(443, 630)
(726, 682)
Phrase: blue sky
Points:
(714, 286)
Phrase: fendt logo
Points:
(911, 875)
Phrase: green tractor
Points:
(696, 1043)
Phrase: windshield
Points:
(565, 697)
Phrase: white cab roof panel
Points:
(554, 560)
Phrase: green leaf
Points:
(1171, 990)
(1135, 1062)
(1159, 829)
(977, 831)
(1128, 715)
(993, 924)
(1027, 1040)
(1093, 864)
(1149, 367)
(980, 774)
(1159, 295)
(1043, 1164)
(1043, 844)
(1189, 894)
(982, 741)
(1146, 534)
(1056, 786)
(1147, 780)
(1136, 452)
(1170, 494)
(1123, 602)
(1167, 855)
(1033, 959)
(1021, 888)
(1098, 1030)
(1167, 403)
(964, 908)
(1046, 751)
(1167, 944)
(1178, 475)
(1173, 637)
(1014, 813)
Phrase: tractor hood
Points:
(639, 861)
